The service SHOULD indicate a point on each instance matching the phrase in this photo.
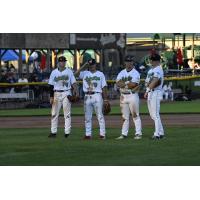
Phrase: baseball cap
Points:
(62, 59)
(92, 62)
(129, 58)
(155, 57)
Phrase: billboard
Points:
(34, 40)
(97, 40)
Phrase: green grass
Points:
(169, 107)
(32, 147)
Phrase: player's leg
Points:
(166, 95)
(88, 108)
(125, 116)
(172, 96)
(155, 105)
(149, 105)
(98, 105)
(67, 115)
(57, 103)
(134, 108)
(161, 130)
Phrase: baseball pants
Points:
(94, 102)
(129, 104)
(60, 99)
(153, 103)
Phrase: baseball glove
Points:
(106, 108)
(73, 99)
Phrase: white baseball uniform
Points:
(165, 92)
(171, 94)
(154, 98)
(92, 87)
(129, 101)
(62, 81)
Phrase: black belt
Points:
(60, 90)
(91, 93)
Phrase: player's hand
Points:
(51, 100)
(145, 95)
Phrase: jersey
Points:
(93, 82)
(62, 80)
(165, 88)
(131, 76)
(156, 72)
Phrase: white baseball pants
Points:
(94, 102)
(129, 104)
(60, 99)
(153, 103)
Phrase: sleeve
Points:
(119, 76)
(51, 79)
(103, 79)
(157, 74)
(148, 77)
(72, 78)
(81, 74)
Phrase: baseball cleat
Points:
(102, 137)
(87, 137)
(162, 136)
(66, 135)
(51, 135)
(121, 137)
(155, 137)
(138, 137)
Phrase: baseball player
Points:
(165, 92)
(128, 82)
(154, 94)
(95, 91)
(61, 82)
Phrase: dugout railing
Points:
(39, 91)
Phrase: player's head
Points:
(62, 61)
(92, 64)
(155, 59)
(129, 60)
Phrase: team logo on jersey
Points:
(126, 78)
(94, 78)
(64, 80)
(91, 82)
(61, 78)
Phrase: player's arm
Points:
(51, 87)
(105, 93)
(131, 85)
(75, 89)
(74, 85)
(120, 84)
(77, 73)
(51, 91)
(155, 82)
(104, 89)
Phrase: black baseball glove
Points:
(73, 99)
(106, 108)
